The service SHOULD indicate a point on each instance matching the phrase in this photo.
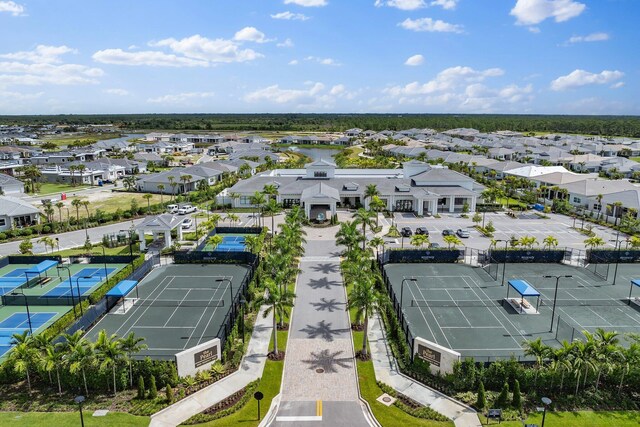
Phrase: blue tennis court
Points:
(17, 323)
(230, 247)
(233, 239)
(18, 272)
(81, 283)
(9, 284)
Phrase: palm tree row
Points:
(280, 268)
(75, 355)
(597, 359)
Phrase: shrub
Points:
(503, 398)
(3, 236)
(481, 401)
(169, 393)
(490, 227)
(153, 390)
(141, 390)
(516, 402)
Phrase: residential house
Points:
(16, 213)
(9, 185)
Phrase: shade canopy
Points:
(42, 267)
(524, 288)
(635, 282)
(122, 289)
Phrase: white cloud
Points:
(117, 92)
(579, 78)
(251, 34)
(294, 62)
(415, 60)
(286, 43)
(18, 96)
(593, 37)
(416, 4)
(279, 95)
(532, 12)
(146, 57)
(617, 85)
(430, 25)
(181, 98)
(323, 61)
(290, 16)
(41, 54)
(462, 89)
(193, 51)
(445, 4)
(307, 3)
(12, 7)
(43, 65)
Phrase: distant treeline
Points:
(589, 125)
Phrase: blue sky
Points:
(414, 56)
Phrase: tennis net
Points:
(176, 303)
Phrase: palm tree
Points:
(599, 198)
(366, 300)
(60, 205)
(527, 241)
(86, 203)
(76, 203)
(251, 243)
(172, 183)
(232, 218)
(364, 218)
(594, 242)
(72, 171)
(215, 240)
(48, 211)
(81, 168)
(257, 200)
(270, 190)
(370, 191)
(375, 243)
(215, 219)
(419, 240)
(161, 188)
(234, 196)
(186, 178)
(452, 241)
(51, 359)
(539, 350)
(47, 241)
(279, 301)
(109, 354)
(130, 345)
(148, 197)
(79, 356)
(22, 355)
(271, 208)
(349, 235)
(550, 242)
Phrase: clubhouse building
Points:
(320, 188)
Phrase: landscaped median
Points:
(70, 419)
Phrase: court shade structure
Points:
(524, 289)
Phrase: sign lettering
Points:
(429, 355)
(205, 356)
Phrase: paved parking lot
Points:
(528, 224)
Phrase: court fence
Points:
(101, 259)
(565, 331)
(528, 255)
(212, 257)
(28, 259)
(611, 256)
(598, 266)
(421, 255)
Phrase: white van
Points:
(172, 209)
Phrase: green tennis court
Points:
(176, 307)
(462, 307)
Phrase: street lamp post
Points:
(104, 259)
(546, 401)
(555, 296)
(618, 245)
(78, 290)
(61, 267)
(26, 304)
(79, 400)
(413, 279)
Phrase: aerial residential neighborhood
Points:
(292, 213)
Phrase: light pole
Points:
(104, 259)
(504, 264)
(618, 245)
(79, 400)
(555, 296)
(402, 290)
(546, 401)
(26, 304)
(61, 267)
(78, 290)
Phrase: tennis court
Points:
(461, 307)
(81, 283)
(15, 320)
(230, 243)
(177, 307)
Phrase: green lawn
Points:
(51, 188)
(70, 419)
(118, 200)
(635, 159)
(118, 250)
(512, 202)
(93, 137)
(581, 419)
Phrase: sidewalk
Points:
(250, 370)
(387, 372)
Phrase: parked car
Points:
(434, 245)
(448, 232)
(422, 230)
(463, 233)
(186, 209)
(406, 232)
(187, 223)
(172, 209)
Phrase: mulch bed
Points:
(356, 327)
(272, 355)
(363, 357)
(283, 327)
(226, 403)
